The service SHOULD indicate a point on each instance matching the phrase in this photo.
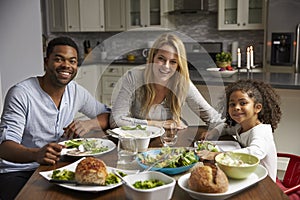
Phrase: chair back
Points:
(292, 174)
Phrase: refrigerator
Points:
(282, 36)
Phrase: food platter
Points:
(85, 188)
(149, 132)
(165, 170)
(107, 146)
(235, 186)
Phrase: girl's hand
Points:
(207, 155)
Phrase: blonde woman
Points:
(155, 93)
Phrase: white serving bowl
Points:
(217, 73)
(160, 192)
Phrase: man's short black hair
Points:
(61, 41)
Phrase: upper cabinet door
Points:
(143, 13)
(115, 15)
(241, 14)
(92, 15)
(75, 15)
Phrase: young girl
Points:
(252, 113)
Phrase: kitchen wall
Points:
(21, 41)
(200, 27)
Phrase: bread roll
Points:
(91, 171)
(208, 178)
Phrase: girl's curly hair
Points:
(261, 93)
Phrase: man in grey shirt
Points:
(39, 111)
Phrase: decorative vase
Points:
(223, 64)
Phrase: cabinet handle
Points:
(112, 85)
(112, 70)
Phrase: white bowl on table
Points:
(161, 192)
(217, 73)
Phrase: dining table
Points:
(38, 187)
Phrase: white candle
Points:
(248, 58)
(239, 57)
(251, 57)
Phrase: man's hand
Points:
(49, 154)
(78, 128)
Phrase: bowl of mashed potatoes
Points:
(237, 165)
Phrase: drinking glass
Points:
(127, 150)
(169, 138)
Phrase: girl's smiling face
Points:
(243, 109)
(165, 64)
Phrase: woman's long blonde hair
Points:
(178, 85)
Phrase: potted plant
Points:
(223, 59)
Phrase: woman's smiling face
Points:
(165, 64)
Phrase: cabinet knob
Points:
(112, 85)
(244, 24)
(121, 26)
(238, 24)
(111, 70)
(70, 26)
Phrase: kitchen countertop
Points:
(276, 80)
(202, 77)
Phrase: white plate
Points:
(150, 132)
(224, 145)
(71, 167)
(235, 186)
(100, 142)
(217, 73)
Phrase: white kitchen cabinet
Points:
(111, 82)
(147, 13)
(241, 14)
(88, 77)
(63, 15)
(75, 15)
(115, 15)
(91, 15)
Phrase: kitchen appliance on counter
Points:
(202, 55)
(282, 36)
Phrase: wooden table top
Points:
(39, 188)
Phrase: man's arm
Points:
(14, 152)
(78, 128)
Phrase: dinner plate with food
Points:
(208, 181)
(168, 160)
(138, 131)
(87, 147)
(88, 174)
(216, 146)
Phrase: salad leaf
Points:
(206, 145)
(137, 127)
